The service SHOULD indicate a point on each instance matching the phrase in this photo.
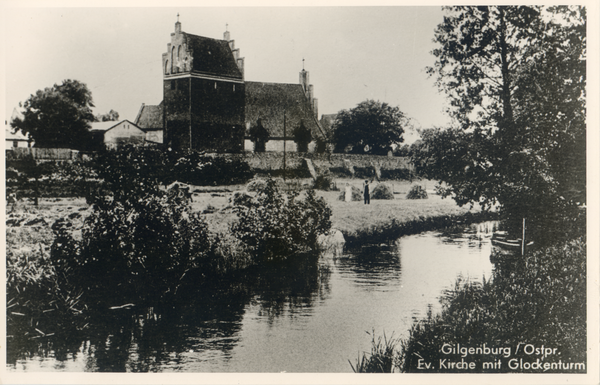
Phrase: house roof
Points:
(327, 121)
(150, 117)
(17, 135)
(105, 126)
(269, 102)
(212, 56)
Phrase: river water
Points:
(307, 319)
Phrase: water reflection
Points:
(372, 267)
(309, 315)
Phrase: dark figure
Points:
(366, 193)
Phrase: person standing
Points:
(366, 193)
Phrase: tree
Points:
(515, 77)
(111, 116)
(371, 127)
(259, 136)
(58, 117)
(302, 137)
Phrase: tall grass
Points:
(381, 359)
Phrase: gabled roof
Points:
(269, 102)
(17, 135)
(327, 121)
(212, 56)
(150, 117)
(105, 126)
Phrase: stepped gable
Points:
(211, 56)
(269, 101)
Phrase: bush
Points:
(274, 225)
(397, 174)
(140, 240)
(364, 172)
(324, 182)
(132, 252)
(382, 191)
(199, 169)
(417, 192)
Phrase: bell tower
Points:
(203, 93)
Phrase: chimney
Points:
(226, 36)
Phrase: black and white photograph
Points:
(300, 193)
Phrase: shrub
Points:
(397, 174)
(341, 172)
(382, 191)
(417, 192)
(364, 172)
(132, 251)
(324, 182)
(274, 225)
(197, 168)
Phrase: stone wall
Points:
(272, 161)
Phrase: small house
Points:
(115, 134)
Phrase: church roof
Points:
(269, 102)
(150, 117)
(212, 56)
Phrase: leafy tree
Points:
(58, 117)
(515, 77)
(259, 136)
(302, 137)
(110, 116)
(371, 127)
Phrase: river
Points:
(307, 319)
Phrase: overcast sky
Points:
(351, 53)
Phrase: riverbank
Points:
(529, 318)
(376, 222)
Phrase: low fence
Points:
(42, 154)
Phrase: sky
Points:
(352, 53)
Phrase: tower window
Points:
(166, 67)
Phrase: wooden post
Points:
(523, 239)
(284, 170)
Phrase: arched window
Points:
(179, 59)
(173, 60)
(167, 67)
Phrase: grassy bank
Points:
(531, 318)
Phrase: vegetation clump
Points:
(417, 192)
(324, 182)
(275, 225)
(382, 191)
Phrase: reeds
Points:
(382, 357)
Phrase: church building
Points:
(208, 106)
